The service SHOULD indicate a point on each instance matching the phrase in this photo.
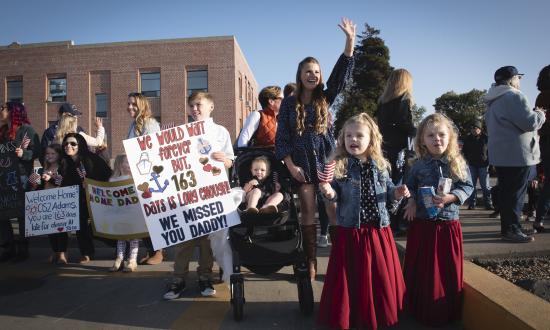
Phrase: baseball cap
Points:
(506, 72)
(70, 109)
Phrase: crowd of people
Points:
(364, 284)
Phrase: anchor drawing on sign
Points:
(204, 146)
(155, 177)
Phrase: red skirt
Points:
(364, 286)
(433, 271)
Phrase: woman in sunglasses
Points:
(19, 146)
(78, 163)
(143, 123)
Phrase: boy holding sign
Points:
(200, 106)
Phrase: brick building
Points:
(98, 77)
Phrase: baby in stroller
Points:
(264, 189)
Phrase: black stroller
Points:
(264, 243)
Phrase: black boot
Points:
(8, 253)
(22, 251)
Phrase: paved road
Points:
(37, 295)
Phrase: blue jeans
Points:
(512, 183)
(480, 173)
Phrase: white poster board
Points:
(183, 192)
(52, 211)
(115, 210)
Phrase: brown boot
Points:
(332, 232)
(155, 259)
(309, 235)
(143, 260)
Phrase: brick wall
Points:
(114, 69)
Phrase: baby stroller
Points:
(264, 243)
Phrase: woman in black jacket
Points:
(77, 164)
(394, 118)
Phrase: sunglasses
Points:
(72, 144)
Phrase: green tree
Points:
(417, 114)
(464, 109)
(372, 69)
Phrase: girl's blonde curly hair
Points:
(374, 150)
(457, 164)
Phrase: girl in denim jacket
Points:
(364, 286)
(434, 257)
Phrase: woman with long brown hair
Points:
(143, 123)
(305, 139)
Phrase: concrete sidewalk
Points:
(481, 235)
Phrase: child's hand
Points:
(441, 201)
(326, 190)
(402, 191)
(250, 185)
(98, 123)
(410, 210)
(46, 177)
(218, 156)
(19, 152)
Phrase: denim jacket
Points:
(426, 172)
(348, 194)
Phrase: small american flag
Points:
(81, 172)
(57, 179)
(327, 173)
(25, 142)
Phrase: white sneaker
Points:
(323, 241)
(116, 265)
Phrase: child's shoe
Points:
(61, 258)
(156, 258)
(131, 266)
(116, 265)
(323, 241)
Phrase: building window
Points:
(101, 105)
(58, 89)
(15, 90)
(150, 84)
(197, 80)
(240, 88)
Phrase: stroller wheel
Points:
(237, 296)
(305, 295)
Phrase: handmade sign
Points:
(183, 192)
(115, 209)
(51, 211)
(11, 190)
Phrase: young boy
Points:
(200, 106)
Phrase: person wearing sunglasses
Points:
(19, 146)
(143, 123)
(78, 163)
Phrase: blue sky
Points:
(446, 45)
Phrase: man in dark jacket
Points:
(475, 152)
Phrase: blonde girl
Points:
(121, 171)
(364, 285)
(69, 123)
(434, 256)
(304, 138)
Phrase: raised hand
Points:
(348, 27)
